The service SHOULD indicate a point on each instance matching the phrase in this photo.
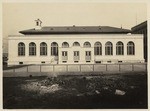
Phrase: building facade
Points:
(75, 45)
(142, 29)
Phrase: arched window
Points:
(108, 48)
(119, 48)
(97, 48)
(54, 49)
(76, 44)
(21, 49)
(87, 44)
(32, 49)
(65, 45)
(130, 48)
(43, 48)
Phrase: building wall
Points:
(142, 29)
(14, 59)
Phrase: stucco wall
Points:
(14, 59)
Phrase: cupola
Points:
(38, 24)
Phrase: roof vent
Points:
(38, 24)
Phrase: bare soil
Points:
(76, 92)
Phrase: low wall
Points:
(82, 68)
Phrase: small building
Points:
(142, 29)
(75, 45)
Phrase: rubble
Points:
(120, 92)
(133, 87)
(80, 94)
(97, 92)
(41, 89)
(105, 88)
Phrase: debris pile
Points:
(120, 92)
(42, 87)
(79, 86)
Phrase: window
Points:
(20, 62)
(76, 44)
(64, 53)
(97, 48)
(37, 23)
(32, 49)
(108, 48)
(64, 61)
(43, 48)
(76, 53)
(43, 62)
(65, 45)
(119, 48)
(130, 48)
(54, 49)
(21, 49)
(87, 44)
(88, 53)
(99, 62)
(108, 61)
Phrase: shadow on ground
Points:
(6, 67)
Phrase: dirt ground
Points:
(76, 92)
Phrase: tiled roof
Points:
(76, 30)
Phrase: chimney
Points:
(38, 24)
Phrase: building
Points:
(142, 29)
(5, 58)
(75, 45)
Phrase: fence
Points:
(82, 68)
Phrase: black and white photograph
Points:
(75, 55)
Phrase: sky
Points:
(22, 16)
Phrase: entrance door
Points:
(76, 56)
(88, 56)
(64, 56)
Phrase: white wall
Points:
(70, 38)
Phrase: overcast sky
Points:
(21, 16)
